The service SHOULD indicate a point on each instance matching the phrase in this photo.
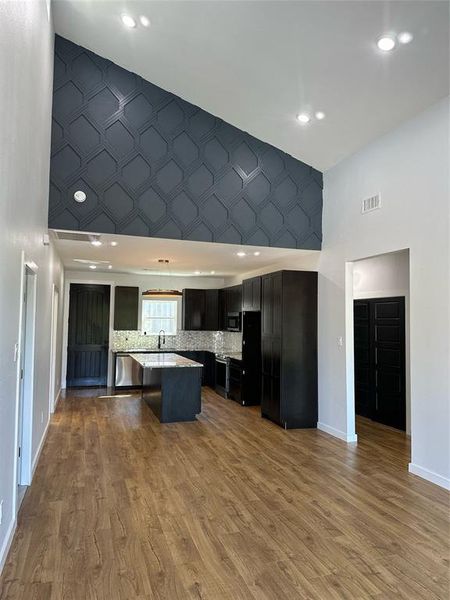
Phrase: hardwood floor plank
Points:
(230, 507)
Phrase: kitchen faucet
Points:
(163, 338)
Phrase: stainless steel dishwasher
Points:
(128, 372)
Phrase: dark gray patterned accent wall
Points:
(154, 165)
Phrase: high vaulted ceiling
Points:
(257, 64)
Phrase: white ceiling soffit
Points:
(140, 255)
(257, 64)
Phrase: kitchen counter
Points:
(164, 360)
(171, 385)
(175, 350)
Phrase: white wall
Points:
(305, 261)
(387, 276)
(410, 168)
(382, 276)
(26, 71)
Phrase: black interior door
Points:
(380, 378)
(88, 336)
(363, 383)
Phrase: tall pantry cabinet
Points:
(289, 348)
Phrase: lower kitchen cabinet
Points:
(235, 381)
(208, 361)
(270, 404)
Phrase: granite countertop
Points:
(163, 360)
(235, 355)
(227, 353)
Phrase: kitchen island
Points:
(171, 385)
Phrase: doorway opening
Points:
(381, 342)
(88, 335)
(53, 391)
(25, 381)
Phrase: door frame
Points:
(54, 322)
(65, 336)
(349, 342)
(24, 418)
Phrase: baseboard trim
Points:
(424, 473)
(58, 398)
(7, 543)
(350, 439)
(39, 450)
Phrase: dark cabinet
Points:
(289, 348)
(234, 299)
(271, 303)
(235, 380)
(251, 294)
(209, 369)
(126, 308)
(200, 310)
(230, 301)
(211, 310)
(207, 359)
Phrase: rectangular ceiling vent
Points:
(72, 236)
(370, 204)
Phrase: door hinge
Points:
(21, 373)
(20, 451)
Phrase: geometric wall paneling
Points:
(152, 164)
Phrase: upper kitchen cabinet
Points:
(251, 294)
(230, 301)
(271, 286)
(126, 308)
(234, 299)
(200, 310)
(289, 348)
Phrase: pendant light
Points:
(161, 291)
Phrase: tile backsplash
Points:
(216, 341)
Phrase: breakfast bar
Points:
(171, 385)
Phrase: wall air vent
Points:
(73, 236)
(370, 204)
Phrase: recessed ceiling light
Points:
(241, 254)
(197, 272)
(386, 43)
(257, 253)
(405, 37)
(92, 266)
(113, 243)
(145, 21)
(320, 115)
(128, 21)
(96, 243)
(213, 272)
(109, 266)
(303, 118)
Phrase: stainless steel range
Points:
(222, 385)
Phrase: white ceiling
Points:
(140, 255)
(257, 64)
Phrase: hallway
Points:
(230, 507)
